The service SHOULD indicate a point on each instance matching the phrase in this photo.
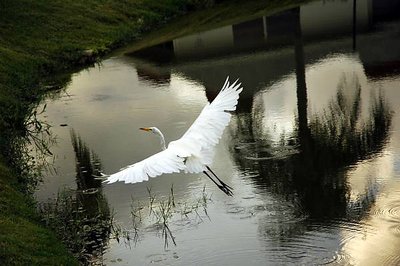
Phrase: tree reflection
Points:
(341, 133)
(82, 217)
(313, 181)
(315, 177)
(88, 165)
(92, 206)
(337, 138)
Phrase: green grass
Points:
(23, 240)
(40, 37)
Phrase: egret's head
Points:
(151, 129)
(156, 131)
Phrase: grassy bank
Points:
(41, 37)
(23, 240)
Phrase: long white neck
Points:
(162, 139)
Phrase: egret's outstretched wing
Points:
(207, 129)
(194, 149)
(163, 162)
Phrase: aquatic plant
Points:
(84, 233)
(86, 230)
(164, 210)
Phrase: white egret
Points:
(194, 151)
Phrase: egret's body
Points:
(194, 151)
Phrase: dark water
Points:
(313, 151)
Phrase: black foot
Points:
(226, 189)
(221, 185)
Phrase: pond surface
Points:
(312, 152)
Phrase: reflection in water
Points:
(312, 182)
(85, 222)
(327, 144)
(314, 179)
(82, 217)
(232, 47)
(340, 133)
(88, 166)
(159, 214)
(26, 137)
(92, 205)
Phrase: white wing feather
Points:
(195, 148)
(164, 162)
(207, 129)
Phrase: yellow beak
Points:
(145, 128)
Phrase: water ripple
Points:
(262, 152)
(390, 213)
(391, 260)
(395, 230)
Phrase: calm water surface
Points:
(313, 151)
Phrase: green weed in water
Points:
(86, 230)
(164, 211)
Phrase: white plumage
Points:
(194, 151)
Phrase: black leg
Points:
(222, 183)
(225, 189)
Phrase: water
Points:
(313, 151)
